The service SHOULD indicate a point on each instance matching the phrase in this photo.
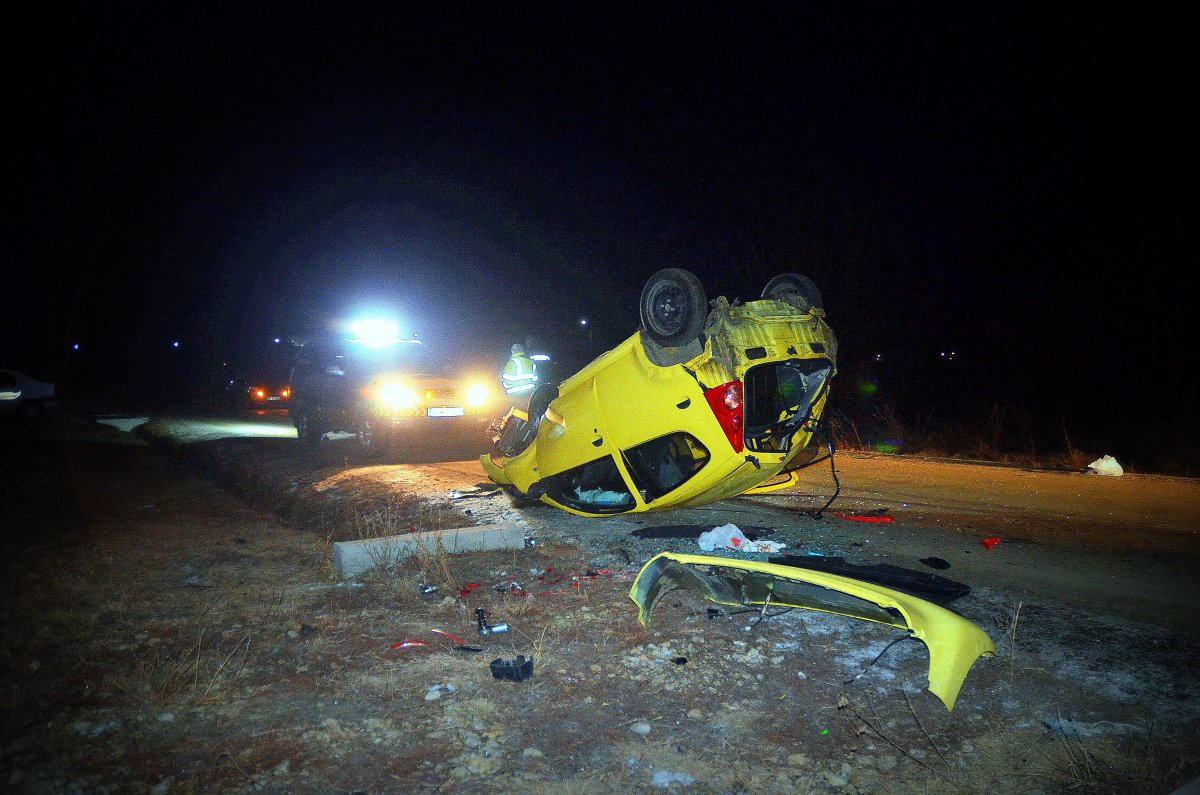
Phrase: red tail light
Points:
(726, 403)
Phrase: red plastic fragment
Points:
(988, 543)
(407, 644)
(871, 519)
(467, 589)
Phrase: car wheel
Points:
(308, 427)
(673, 307)
(797, 290)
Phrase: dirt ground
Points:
(175, 624)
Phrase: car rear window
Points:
(779, 397)
(664, 464)
(595, 487)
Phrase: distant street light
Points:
(583, 323)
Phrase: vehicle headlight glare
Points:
(397, 396)
(477, 395)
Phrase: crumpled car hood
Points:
(953, 642)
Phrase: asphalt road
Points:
(1126, 545)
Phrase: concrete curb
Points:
(354, 558)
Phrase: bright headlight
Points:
(477, 395)
(397, 396)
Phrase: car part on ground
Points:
(939, 590)
(683, 412)
(517, 670)
(953, 642)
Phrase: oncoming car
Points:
(703, 403)
(383, 389)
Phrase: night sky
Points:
(1013, 184)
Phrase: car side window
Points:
(664, 464)
(595, 487)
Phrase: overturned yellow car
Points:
(704, 402)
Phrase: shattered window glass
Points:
(595, 487)
(664, 464)
(779, 398)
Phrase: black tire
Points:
(308, 427)
(673, 307)
(797, 290)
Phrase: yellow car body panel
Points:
(953, 642)
(623, 399)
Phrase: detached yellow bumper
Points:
(953, 642)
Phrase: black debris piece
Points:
(517, 670)
(931, 587)
(935, 563)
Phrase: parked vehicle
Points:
(259, 393)
(701, 404)
(25, 396)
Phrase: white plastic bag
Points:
(729, 536)
(1106, 466)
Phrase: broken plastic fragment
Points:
(517, 670)
(872, 519)
(407, 644)
(953, 642)
(988, 543)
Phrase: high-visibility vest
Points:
(519, 375)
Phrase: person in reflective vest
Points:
(520, 376)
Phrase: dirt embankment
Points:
(176, 638)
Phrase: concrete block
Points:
(353, 558)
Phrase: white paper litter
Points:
(1106, 466)
(729, 536)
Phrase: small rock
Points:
(695, 714)
(437, 691)
(840, 779)
(663, 779)
(641, 727)
(797, 760)
(801, 675)
(532, 753)
(166, 717)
